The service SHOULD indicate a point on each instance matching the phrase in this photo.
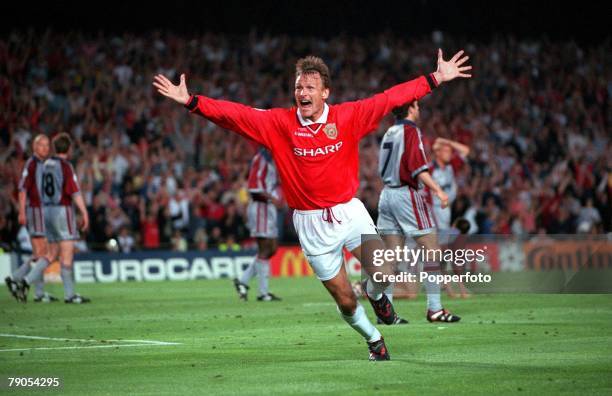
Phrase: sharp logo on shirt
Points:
(331, 131)
(317, 151)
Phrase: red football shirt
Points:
(318, 163)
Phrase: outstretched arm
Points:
(370, 111)
(253, 123)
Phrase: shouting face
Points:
(310, 95)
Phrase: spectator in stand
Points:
(539, 133)
(125, 240)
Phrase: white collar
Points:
(320, 120)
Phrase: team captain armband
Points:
(431, 80)
(192, 103)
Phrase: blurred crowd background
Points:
(537, 116)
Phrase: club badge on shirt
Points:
(331, 131)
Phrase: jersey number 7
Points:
(386, 146)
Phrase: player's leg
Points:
(35, 223)
(253, 223)
(322, 237)
(267, 249)
(64, 228)
(263, 228)
(66, 258)
(39, 293)
(392, 242)
(435, 311)
(242, 284)
(377, 280)
(364, 247)
(40, 250)
(40, 220)
(353, 313)
(24, 268)
(254, 218)
(17, 276)
(443, 233)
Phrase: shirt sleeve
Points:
(413, 160)
(368, 112)
(255, 124)
(71, 184)
(27, 177)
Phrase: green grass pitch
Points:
(505, 344)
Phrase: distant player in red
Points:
(31, 215)
(264, 190)
(316, 149)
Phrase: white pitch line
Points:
(148, 342)
(77, 347)
(140, 342)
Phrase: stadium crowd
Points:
(537, 115)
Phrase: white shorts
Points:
(261, 217)
(60, 223)
(404, 211)
(35, 221)
(443, 224)
(442, 217)
(324, 232)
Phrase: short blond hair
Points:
(313, 64)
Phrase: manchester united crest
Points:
(331, 131)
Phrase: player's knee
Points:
(265, 254)
(267, 251)
(347, 304)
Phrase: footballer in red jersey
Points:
(316, 149)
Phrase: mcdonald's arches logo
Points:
(290, 261)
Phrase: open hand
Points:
(451, 69)
(177, 92)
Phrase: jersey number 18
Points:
(48, 185)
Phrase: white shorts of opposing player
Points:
(404, 211)
(322, 237)
(60, 223)
(35, 221)
(262, 220)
